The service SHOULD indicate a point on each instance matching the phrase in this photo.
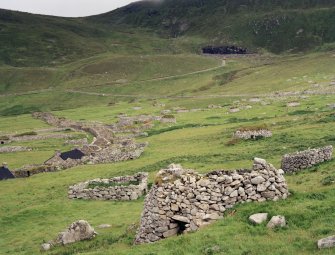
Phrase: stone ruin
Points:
(300, 160)
(252, 134)
(183, 200)
(117, 188)
(68, 159)
(105, 148)
(29, 170)
(139, 123)
(223, 50)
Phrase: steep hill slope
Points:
(274, 25)
(151, 26)
(37, 40)
(28, 39)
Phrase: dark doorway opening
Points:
(28, 173)
(2, 142)
(181, 227)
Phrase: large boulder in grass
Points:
(327, 242)
(258, 218)
(78, 231)
(278, 221)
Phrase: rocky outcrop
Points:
(304, 159)
(183, 200)
(252, 134)
(118, 188)
(77, 231)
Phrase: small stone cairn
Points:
(300, 160)
(118, 188)
(183, 200)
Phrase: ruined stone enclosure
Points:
(183, 200)
(117, 188)
(303, 159)
(255, 134)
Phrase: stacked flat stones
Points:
(252, 134)
(119, 192)
(10, 149)
(304, 159)
(183, 201)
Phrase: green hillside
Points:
(170, 26)
(274, 25)
(144, 59)
(37, 40)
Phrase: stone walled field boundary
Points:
(120, 188)
(252, 134)
(300, 160)
(10, 149)
(183, 201)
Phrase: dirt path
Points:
(222, 64)
(274, 94)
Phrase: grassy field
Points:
(145, 60)
(34, 210)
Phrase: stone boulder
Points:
(258, 218)
(78, 231)
(327, 242)
(277, 221)
(45, 247)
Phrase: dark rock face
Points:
(224, 50)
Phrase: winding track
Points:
(223, 64)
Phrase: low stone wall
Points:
(102, 190)
(10, 149)
(300, 160)
(40, 137)
(30, 170)
(82, 142)
(252, 134)
(183, 201)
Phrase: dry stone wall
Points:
(300, 160)
(252, 134)
(120, 188)
(105, 148)
(10, 149)
(183, 201)
(30, 170)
